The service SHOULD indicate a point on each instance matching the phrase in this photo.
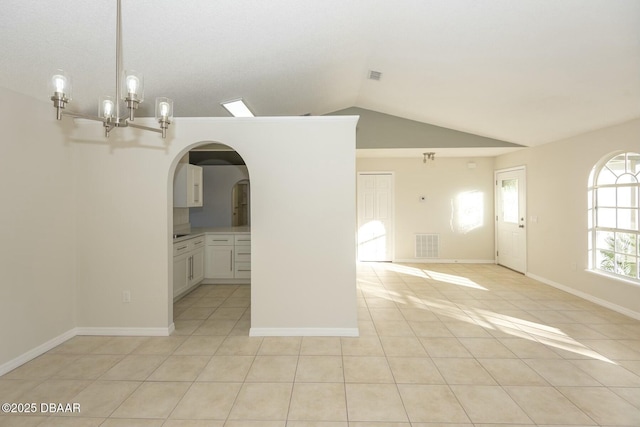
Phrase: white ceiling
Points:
(523, 71)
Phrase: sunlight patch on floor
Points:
(548, 335)
(454, 280)
(431, 274)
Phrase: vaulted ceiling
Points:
(522, 71)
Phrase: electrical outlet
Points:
(126, 296)
(574, 266)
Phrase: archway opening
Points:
(210, 282)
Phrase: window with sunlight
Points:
(614, 234)
(468, 211)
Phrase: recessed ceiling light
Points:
(237, 108)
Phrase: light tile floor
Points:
(440, 345)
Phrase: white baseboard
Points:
(588, 297)
(54, 342)
(226, 282)
(304, 332)
(126, 332)
(37, 351)
(445, 261)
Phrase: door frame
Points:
(392, 243)
(496, 208)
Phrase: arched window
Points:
(614, 233)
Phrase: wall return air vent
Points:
(427, 246)
(374, 75)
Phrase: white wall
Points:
(303, 270)
(37, 254)
(444, 182)
(70, 244)
(557, 180)
(218, 182)
(122, 229)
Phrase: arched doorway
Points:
(278, 152)
(210, 281)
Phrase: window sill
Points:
(614, 277)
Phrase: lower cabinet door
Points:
(197, 266)
(219, 262)
(180, 274)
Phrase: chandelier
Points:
(129, 88)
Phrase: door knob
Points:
(521, 226)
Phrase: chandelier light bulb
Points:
(164, 109)
(60, 85)
(164, 113)
(59, 82)
(107, 108)
(132, 84)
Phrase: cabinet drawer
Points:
(243, 239)
(197, 242)
(243, 253)
(181, 247)
(220, 239)
(242, 270)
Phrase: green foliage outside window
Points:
(620, 259)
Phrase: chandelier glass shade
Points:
(129, 89)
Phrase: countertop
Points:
(195, 232)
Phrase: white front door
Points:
(511, 236)
(375, 216)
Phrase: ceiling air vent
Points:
(374, 75)
(427, 245)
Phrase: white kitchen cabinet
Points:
(187, 186)
(219, 262)
(197, 260)
(242, 239)
(242, 259)
(188, 264)
(197, 266)
(242, 270)
(228, 258)
(180, 274)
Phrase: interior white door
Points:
(511, 240)
(375, 216)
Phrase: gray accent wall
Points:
(218, 182)
(379, 131)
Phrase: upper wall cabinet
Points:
(187, 186)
